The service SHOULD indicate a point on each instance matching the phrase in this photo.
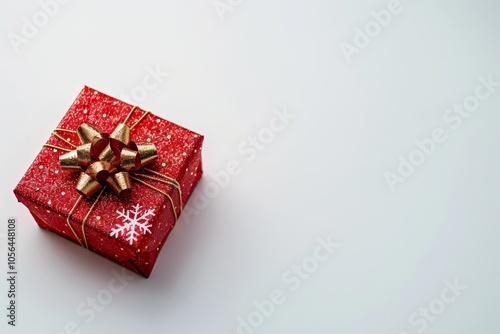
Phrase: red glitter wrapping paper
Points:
(48, 191)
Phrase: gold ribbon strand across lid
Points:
(106, 159)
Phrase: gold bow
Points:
(106, 159)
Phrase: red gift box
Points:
(129, 230)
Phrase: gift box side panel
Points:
(146, 257)
(195, 166)
(45, 221)
(188, 178)
(42, 224)
(45, 217)
(54, 221)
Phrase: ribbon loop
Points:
(147, 153)
(130, 160)
(70, 160)
(87, 133)
(107, 154)
(120, 183)
(99, 170)
(84, 155)
(87, 185)
(121, 135)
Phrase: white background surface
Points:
(322, 175)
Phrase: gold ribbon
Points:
(112, 160)
(106, 159)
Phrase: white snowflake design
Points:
(134, 222)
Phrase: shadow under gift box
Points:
(130, 231)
